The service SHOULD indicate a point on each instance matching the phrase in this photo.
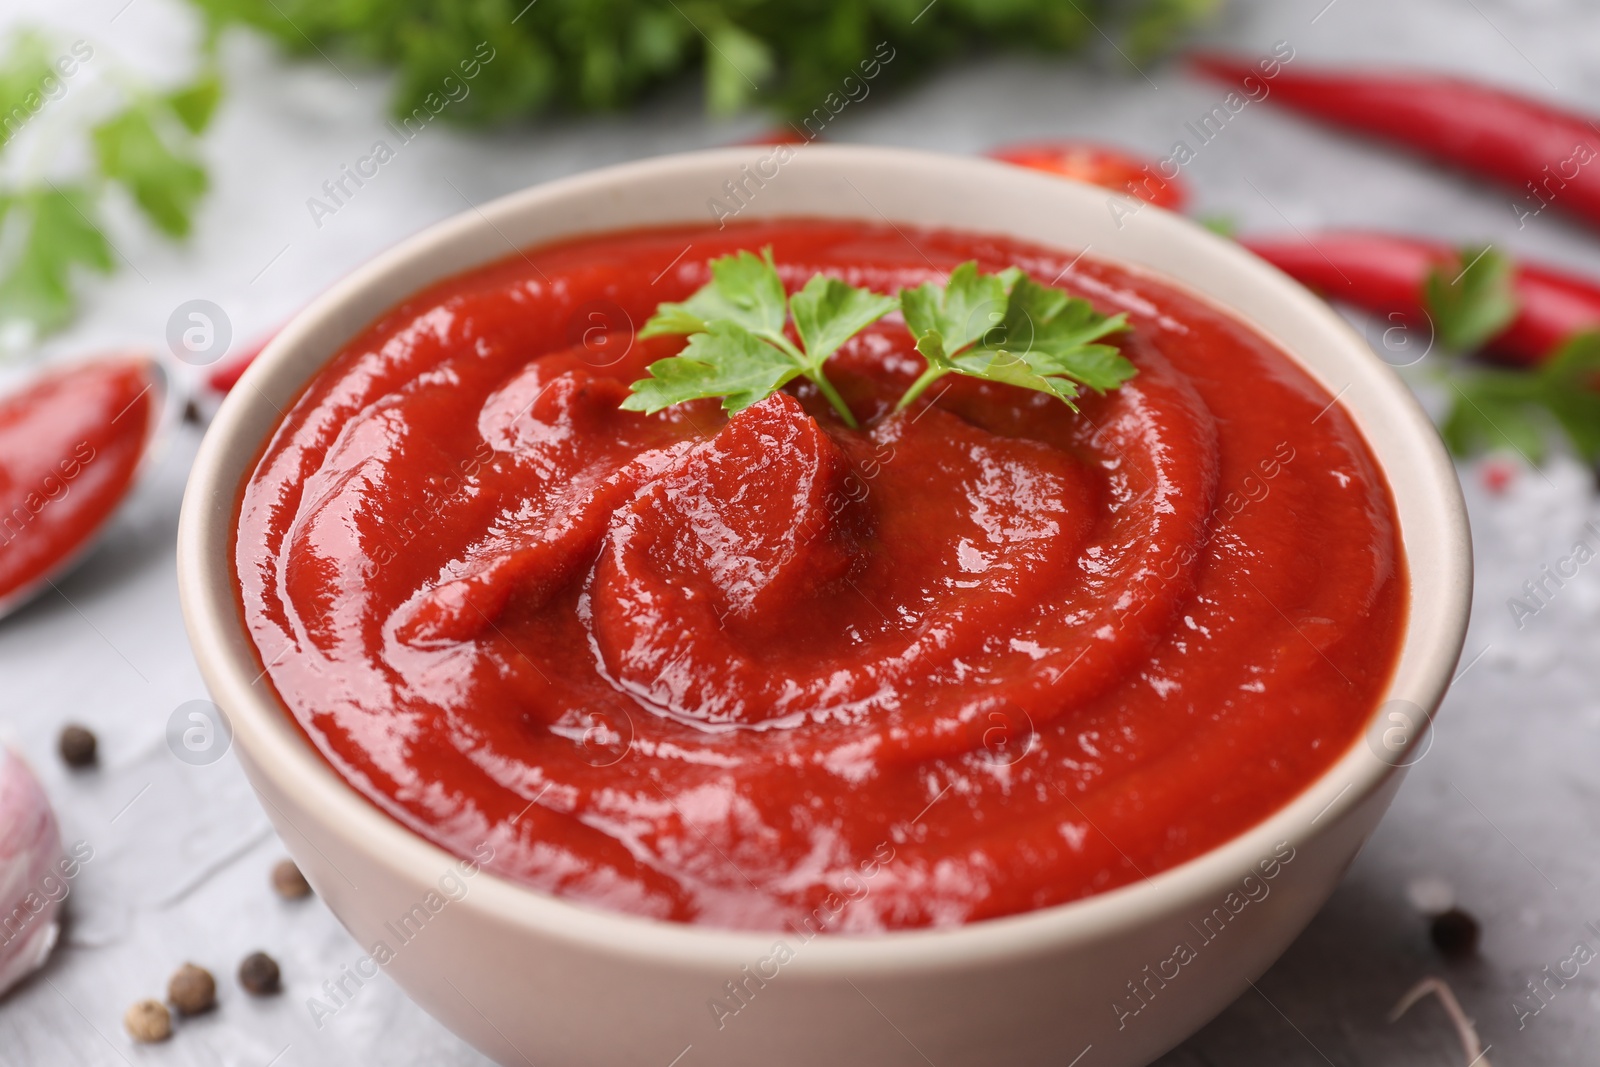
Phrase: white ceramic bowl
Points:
(531, 979)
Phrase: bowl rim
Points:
(274, 746)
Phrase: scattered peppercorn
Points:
(192, 414)
(148, 1021)
(259, 974)
(289, 883)
(79, 747)
(1455, 934)
(192, 990)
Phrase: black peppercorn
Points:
(78, 746)
(288, 882)
(1455, 934)
(192, 990)
(259, 974)
(148, 1021)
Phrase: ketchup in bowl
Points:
(975, 658)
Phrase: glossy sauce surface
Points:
(70, 443)
(978, 658)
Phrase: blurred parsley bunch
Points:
(75, 132)
(587, 55)
(71, 142)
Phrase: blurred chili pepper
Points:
(1098, 164)
(777, 135)
(226, 376)
(1386, 274)
(1540, 150)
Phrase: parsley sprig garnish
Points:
(1008, 328)
(1001, 327)
(738, 349)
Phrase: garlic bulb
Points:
(31, 886)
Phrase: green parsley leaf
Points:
(726, 360)
(195, 103)
(737, 65)
(1496, 409)
(1471, 301)
(1523, 410)
(1160, 22)
(744, 288)
(1056, 334)
(737, 346)
(962, 311)
(1572, 392)
(57, 233)
(1008, 328)
(165, 184)
(22, 81)
(828, 312)
(996, 365)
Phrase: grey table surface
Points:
(1504, 808)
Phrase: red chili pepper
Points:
(1498, 474)
(1385, 275)
(226, 376)
(777, 135)
(1100, 165)
(1550, 156)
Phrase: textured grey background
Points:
(1504, 807)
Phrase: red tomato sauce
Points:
(974, 659)
(70, 444)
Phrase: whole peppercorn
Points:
(259, 974)
(148, 1021)
(78, 745)
(1455, 934)
(192, 990)
(288, 882)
